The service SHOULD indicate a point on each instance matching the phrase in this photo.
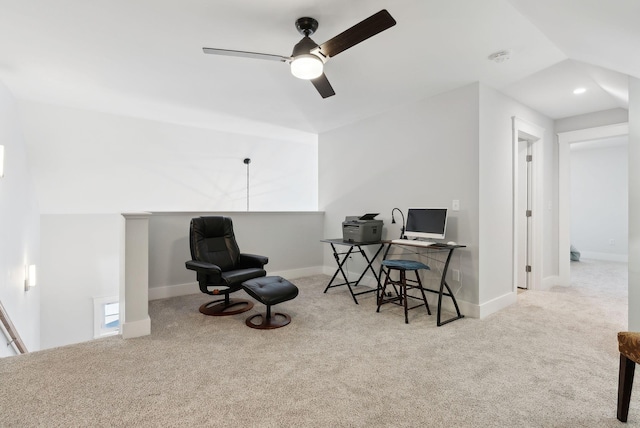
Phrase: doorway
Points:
(565, 139)
(527, 204)
(599, 200)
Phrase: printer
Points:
(362, 229)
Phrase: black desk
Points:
(345, 256)
(443, 283)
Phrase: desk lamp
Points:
(393, 221)
(247, 161)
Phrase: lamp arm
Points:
(403, 221)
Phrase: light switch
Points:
(455, 206)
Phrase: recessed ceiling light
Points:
(579, 91)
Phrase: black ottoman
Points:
(270, 290)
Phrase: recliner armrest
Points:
(252, 260)
(206, 272)
(203, 267)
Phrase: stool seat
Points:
(629, 345)
(270, 290)
(405, 264)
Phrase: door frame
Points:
(565, 139)
(535, 134)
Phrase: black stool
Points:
(270, 290)
(401, 298)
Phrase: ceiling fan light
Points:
(306, 66)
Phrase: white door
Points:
(524, 213)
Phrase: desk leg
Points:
(369, 267)
(336, 255)
(340, 270)
(381, 289)
(369, 264)
(443, 284)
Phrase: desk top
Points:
(412, 243)
(340, 241)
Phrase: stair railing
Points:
(11, 332)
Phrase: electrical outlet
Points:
(612, 242)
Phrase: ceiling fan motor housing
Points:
(306, 26)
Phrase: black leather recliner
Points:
(221, 268)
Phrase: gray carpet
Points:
(548, 361)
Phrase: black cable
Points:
(393, 221)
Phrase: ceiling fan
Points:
(308, 58)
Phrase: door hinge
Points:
(527, 268)
(528, 213)
(529, 158)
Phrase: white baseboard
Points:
(328, 270)
(549, 282)
(610, 257)
(136, 328)
(494, 305)
(167, 291)
(177, 290)
(470, 310)
(467, 309)
(298, 273)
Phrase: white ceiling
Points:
(144, 57)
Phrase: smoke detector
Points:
(500, 56)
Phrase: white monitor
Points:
(426, 223)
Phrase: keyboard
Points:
(412, 242)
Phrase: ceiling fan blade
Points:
(371, 26)
(323, 86)
(243, 54)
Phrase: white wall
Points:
(83, 260)
(599, 199)
(496, 193)
(91, 166)
(80, 262)
(19, 229)
(423, 154)
(291, 240)
(457, 145)
(91, 162)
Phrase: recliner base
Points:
(224, 307)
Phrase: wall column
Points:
(134, 308)
(634, 204)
